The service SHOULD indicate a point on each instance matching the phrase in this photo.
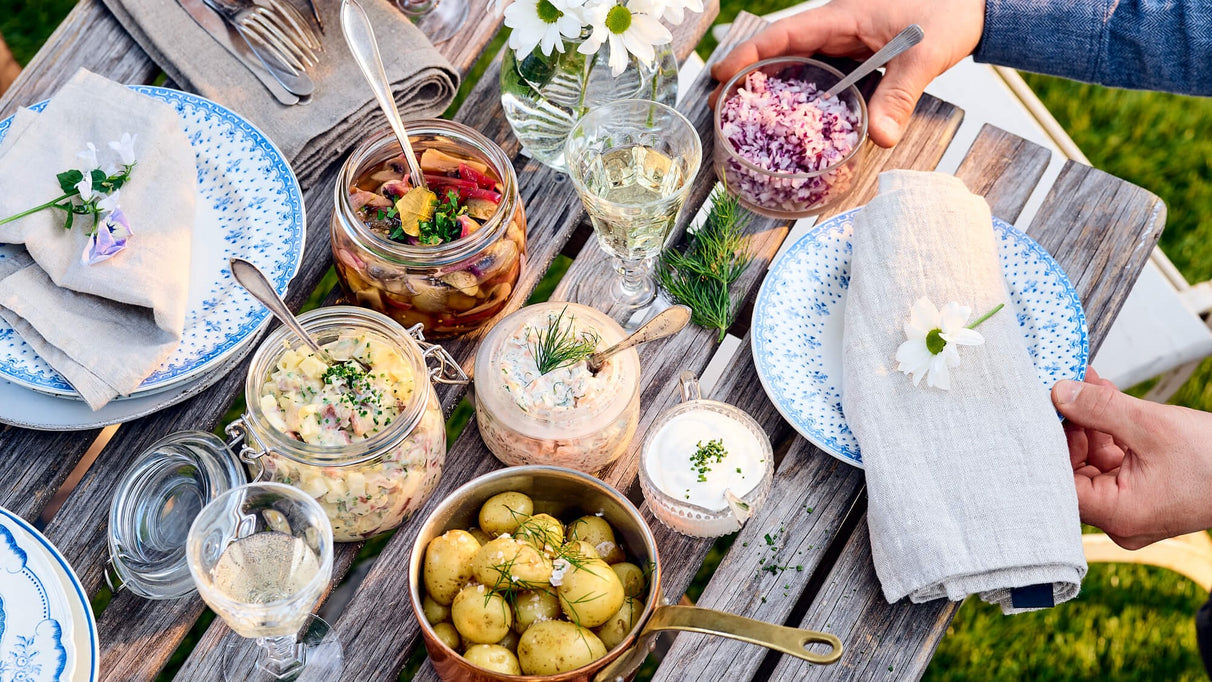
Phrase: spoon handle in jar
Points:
(666, 323)
(790, 641)
(361, 40)
(910, 36)
(255, 283)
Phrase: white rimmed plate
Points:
(47, 631)
(249, 205)
(797, 325)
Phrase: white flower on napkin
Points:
(89, 157)
(125, 148)
(931, 349)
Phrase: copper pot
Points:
(569, 490)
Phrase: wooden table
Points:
(1099, 228)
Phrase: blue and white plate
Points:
(797, 325)
(47, 631)
(249, 205)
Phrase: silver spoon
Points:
(665, 323)
(361, 40)
(912, 35)
(254, 282)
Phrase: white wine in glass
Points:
(632, 163)
(261, 556)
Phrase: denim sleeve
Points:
(1144, 44)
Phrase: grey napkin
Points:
(341, 112)
(107, 326)
(969, 490)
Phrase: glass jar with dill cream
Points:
(365, 435)
(706, 466)
(537, 402)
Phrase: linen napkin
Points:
(341, 112)
(106, 326)
(970, 490)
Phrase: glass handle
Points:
(690, 386)
(448, 370)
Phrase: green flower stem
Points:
(590, 63)
(52, 203)
(986, 316)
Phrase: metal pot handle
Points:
(790, 641)
(448, 371)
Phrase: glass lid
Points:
(157, 499)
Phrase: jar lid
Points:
(156, 502)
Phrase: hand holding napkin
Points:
(342, 112)
(107, 326)
(970, 490)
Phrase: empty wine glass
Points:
(632, 163)
(439, 20)
(261, 556)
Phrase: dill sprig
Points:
(557, 346)
(702, 276)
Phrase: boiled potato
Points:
(502, 513)
(616, 628)
(495, 658)
(481, 615)
(556, 646)
(434, 612)
(480, 536)
(631, 576)
(581, 548)
(448, 564)
(534, 606)
(510, 641)
(589, 592)
(447, 634)
(508, 563)
(595, 531)
(541, 531)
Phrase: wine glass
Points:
(632, 163)
(439, 20)
(261, 556)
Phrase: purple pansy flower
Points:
(108, 239)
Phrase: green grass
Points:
(1130, 622)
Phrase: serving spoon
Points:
(665, 323)
(361, 40)
(257, 284)
(912, 35)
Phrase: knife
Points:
(222, 32)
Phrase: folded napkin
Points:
(106, 326)
(969, 490)
(341, 112)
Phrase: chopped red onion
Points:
(783, 126)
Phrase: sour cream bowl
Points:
(566, 417)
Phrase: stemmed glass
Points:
(439, 20)
(261, 556)
(632, 163)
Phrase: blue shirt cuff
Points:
(1060, 37)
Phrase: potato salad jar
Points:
(567, 416)
(389, 260)
(364, 435)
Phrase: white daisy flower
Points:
(543, 24)
(672, 11)
(933, 337)
(626, 30)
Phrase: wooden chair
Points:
(1190, 555)
(9, 68)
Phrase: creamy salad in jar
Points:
(537, 402)
(364, 436)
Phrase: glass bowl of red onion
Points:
(782, 147)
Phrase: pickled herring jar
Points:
(567, 416)
(447, 256)
(364, 435)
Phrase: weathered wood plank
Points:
(999, 165)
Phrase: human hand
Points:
(1143, 470)
(856, 29)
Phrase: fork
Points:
(274, 28)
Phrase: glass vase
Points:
(544, 95)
